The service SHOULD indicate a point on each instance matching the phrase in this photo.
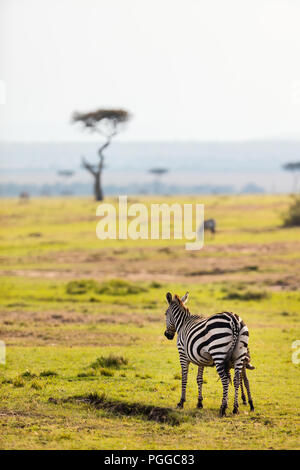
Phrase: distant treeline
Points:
(85, 189)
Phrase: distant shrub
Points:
(155, 285)
(120, 287)
(48, 373)
(110, 287)
(18, 382)
(111, 361)
(251, 268)
(151, 305)
(246, 295)
(106, 372)
(6, 381)
(95, 397)
(28, 375)
(88, 373)
(81, 287)
(292, 217)
(145, 376)
(285, 314)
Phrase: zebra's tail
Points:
(228, 357)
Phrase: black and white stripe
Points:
(220, 340)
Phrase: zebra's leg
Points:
(184, 374)
(200, 383)
(224, 376)
(236, 383)
(243, 396)
(246, 382)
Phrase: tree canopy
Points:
(291, 166)
(294, 167)
(104, 121)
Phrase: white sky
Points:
(185, 69)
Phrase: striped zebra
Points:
(220, 340)
(210, 225)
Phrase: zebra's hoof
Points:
(222, 411)
(180, 404)
(235, 410)
(244, 402)
(199, 404)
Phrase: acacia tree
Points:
(158, 172)
(294, 167)
(107, 123)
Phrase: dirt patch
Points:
(31, 319)
(166, 264)
(115, 407)
(70, 337)
(213, 272)
(69, 328)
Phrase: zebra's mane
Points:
(206, 317)
(198, 317)
(186, 310)
(181, 304)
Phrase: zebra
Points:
(209, 224)
(220, 340)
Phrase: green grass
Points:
(87, 364)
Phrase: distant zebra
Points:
(220, 340)
(210, 224)
(24, 196)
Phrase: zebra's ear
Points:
(169, 297)
(185, 298)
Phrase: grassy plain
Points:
(69, 301)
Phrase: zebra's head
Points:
(174, 304)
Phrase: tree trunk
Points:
(295, 183)
(98, 187)
(97, 172)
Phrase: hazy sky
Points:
(185, 69)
